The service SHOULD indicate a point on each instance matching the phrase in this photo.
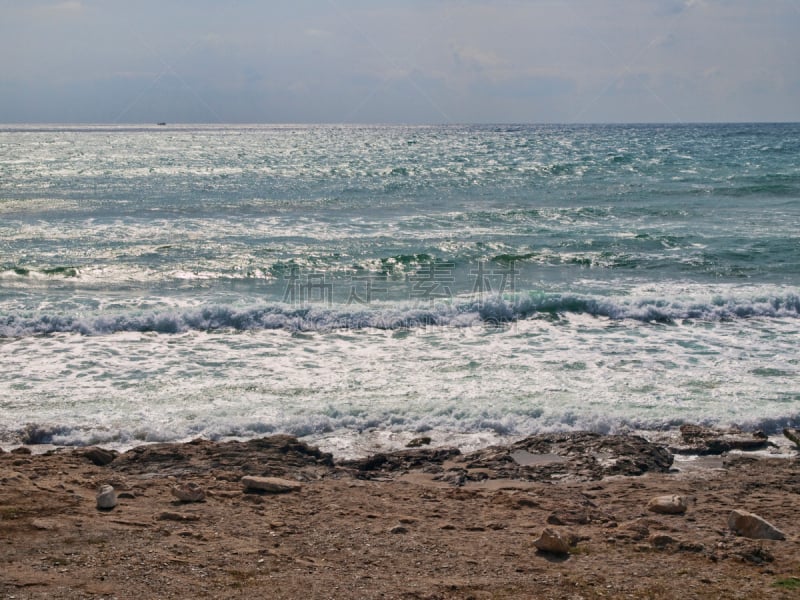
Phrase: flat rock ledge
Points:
(752, 526)
(703, 441)
(271, 485)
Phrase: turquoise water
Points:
(160, 283)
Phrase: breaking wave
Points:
(466, 313)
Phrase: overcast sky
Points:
(393, 61)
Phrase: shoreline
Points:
(347, 445)
(426, 522)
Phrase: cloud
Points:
(400, 60)
(59, 9)
(474, 59)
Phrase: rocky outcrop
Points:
(577, 455)
(275, 455)
(697, 439)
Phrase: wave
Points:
(494, 311)
(347, 428)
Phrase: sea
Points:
(361, 286)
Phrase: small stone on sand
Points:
(551, 542)
(273, 485)
(668, 505)
(189, 492)
(106, 498)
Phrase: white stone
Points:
(668, 505)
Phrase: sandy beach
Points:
(417, 523)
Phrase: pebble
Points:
(551, 542)
(106, 498)
(189, 492)
(273, 485)
(668, 505)
(99, 456)
(398, 529)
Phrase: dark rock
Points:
(175, 516)
(691, 547)
(402, 460)
(275, 455)
(582, 456)
(565, 517)
(272, 485)
(417, 442)
(661, 541)
(398, 529)
(793, 435)
(21, 450)
(100, 456)
(757, 555)
(705, 440)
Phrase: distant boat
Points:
(162, 123)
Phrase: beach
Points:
(423, 522)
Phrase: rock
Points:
(661, 540)
(420, 441)
(106, 498)
(636, 530)
(173, 516)
(99, 456)
(189, 492)
(551, 542)
(398, 529)
(705, 440)
(668, 505)
(273, 485)
(578, 455)
(793, 435)
(753, 527)
(21, 450)
(45, 524)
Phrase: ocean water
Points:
(362, 285)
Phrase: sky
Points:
(399, 61)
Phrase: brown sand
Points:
(429, 524)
